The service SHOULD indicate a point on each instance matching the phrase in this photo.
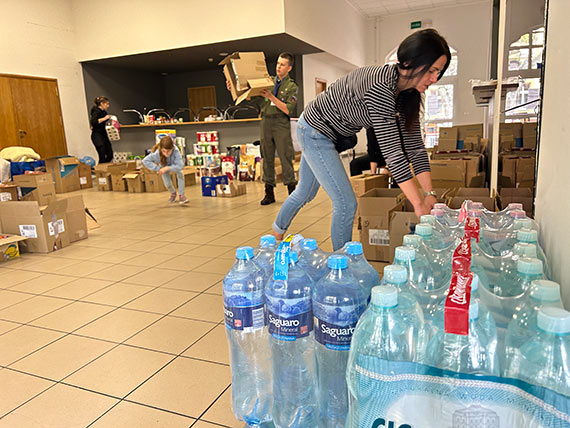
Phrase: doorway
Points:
(320, 86)
(200, 97)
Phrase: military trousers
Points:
(276, 135)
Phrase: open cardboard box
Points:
(9, 192)
(9, 248)
(65, 172)
(364, 182)
(76, 218)
(474, 194)
(85, 178)
(35, 187)
(230, 190)
(247, 74)
(103, 177)
(521, 195)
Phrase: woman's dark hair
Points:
(418, 52)
(99, 100)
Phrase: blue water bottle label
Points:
(334, 336)
(245, 318)
(290, 328)
(281, 265)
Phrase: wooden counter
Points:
(204, 122)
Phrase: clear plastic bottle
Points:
(530, 236)
(264, 254)
(312, 259)
(381, 334)
(291, 338)
(246, 329)
(432, 239)
(366, 275)
(528, 270)
(439, 230)
(463, 354)
(451, 215)
(523, 325)
(437, 273)
(543, 359)
(338, 303)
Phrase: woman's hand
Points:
(106, 118)
(163, 170)
(429, 202)
(228, 85)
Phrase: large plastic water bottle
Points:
(366, 275)
(445, 233)
(530, 236)
(437, 273)
(290, 323)
(246, 329)
(528, 270)
(524, 323)
(451, 215)
(543, 359)
(312, 259)
(338, 303)
(432, 239)
(264, 254)
(463, 354)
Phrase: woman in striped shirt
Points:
(386, 98)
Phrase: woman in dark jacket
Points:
(97, 119)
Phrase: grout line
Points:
(213, 402)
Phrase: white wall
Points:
(39, 41)
(553, 196)
(467, 28)
(108, 28)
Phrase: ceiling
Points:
(373, 8)
(196, 57)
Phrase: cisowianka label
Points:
(292, 328)
(245, 318)
(332, 336)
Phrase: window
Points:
(526, 52)
(528, 90)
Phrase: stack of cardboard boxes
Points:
(517, 154)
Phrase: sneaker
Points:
(183, 200)
(172, 198)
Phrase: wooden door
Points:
(36, 121)
(320, 86)
(202, 96)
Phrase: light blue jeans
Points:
(320, 166)
(167, 178)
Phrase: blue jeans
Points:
(167, 178)
(320, 166)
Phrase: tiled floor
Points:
(124, 329)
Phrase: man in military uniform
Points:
(276, 109)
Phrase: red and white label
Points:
(457, 304)
(472, 228)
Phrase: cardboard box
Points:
(379, 266)
(65, 172)
(36, 187)
(511, 131)
(365, 182)
(518, 169)
(473, 194)
(230, 190)
(76, 218)
(135, 182)
(209, 184)
(402, 221)
(117, 171)
(446, 145)
(247, 74)
(529, 135)
(45, 227)
(118, 183)
(103, 177)
(85, 176)
(153, 182)
(9, 192)
(189, 177)
(471, 130)
(448, 133)
(9, 248)
(447, 173)
(513, 195)
(506, 143)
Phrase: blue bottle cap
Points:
(475, 283)
(527, 235)
(424, 230)
(553, 320)
(353, 248)
(428, 219)
(267, 241)
(337, 262)
(293, 257)
(524, 249)
(395, 274)
(529, 266)
(522, 223)
(385, 296)
(545, 291)
(412, 240)
(405, 253)
(473, 309)
(244, 253)
(309, 244)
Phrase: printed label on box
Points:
(83, 180)
(28, 230)
(56, 224)
(379, 237)
(102, 181)
(5, 196)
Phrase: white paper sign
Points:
(102, 181)
(28, 230)
(379, 237)
(53, 225)
(5, 196)
(83, 180)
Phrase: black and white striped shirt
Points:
(367, 98)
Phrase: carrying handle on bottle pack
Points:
(281, 266)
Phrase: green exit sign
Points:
(416, 24)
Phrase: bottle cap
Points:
(476, 205)
(515, 206)
(267, 241)
(529, 266)
(475, 212)
(553, 320)
(427, 219)
(439, 206)
(473, 309)
(405, 253)
(385, 296)
(517, 214)
(438, 212)
(544, 290)
(353, 248)
(412, 240)
(293, 257)
(475, 283)
(244, 253)
(524, 249)
(522, 223)
(337, 262)
(309, 244)
(424, 230)
(527, 235)
(395, 274)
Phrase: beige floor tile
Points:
(72, 317)
(6, 326)
(205, 307)
(170, 334)
(15, 277)
(117, 256)
(147, 259)
(205, 424)
(119, 371)
(221, 266)
(19, 342)
(208, 251)
(59, 359)
(118, 325)
(18, 388)
(117, 272)
(193, 281)
(221, 411)
(78, 288)
(161, 300)
(217, 289)
(42, 283)
(229, 241)
(138, 234)
(200, 238)
(50, 264)
(127, 414)
(176, 249)
(33, 308)
(80, 253)
(144, 246)
(60, 406)
(185, 263)
(165, 237)
(212, 347)
(110, 243)
(153, 277)
(117, 294)
(184, 386)
(82, 269)
(9, 298)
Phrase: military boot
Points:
(269, 195)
